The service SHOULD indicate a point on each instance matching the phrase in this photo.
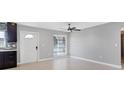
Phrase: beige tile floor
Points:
(63, 64)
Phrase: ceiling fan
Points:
(72, 28)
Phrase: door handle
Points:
(36, 47)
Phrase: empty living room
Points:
(61, 45)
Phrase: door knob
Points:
(36, 47)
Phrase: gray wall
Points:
(95, 43)
(99, 43)
(46, 40)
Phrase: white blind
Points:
(2, 34)
(2, 39)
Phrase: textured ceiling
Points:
(61, 26)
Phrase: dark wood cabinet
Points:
(2, 60)
(8, 59)
(11, 32)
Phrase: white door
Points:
(29, 46)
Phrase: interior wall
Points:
(45, 40)
(99, 43)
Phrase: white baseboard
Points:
(98, 62)
(19, 63)
(46, 59)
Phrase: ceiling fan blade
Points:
(77, 29)
(73, 28)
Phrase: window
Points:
(29, 36)
(2, 39)
(2, 35)
(59, 45)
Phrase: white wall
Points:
(98, 43)
(46, 40)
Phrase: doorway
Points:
(29, 44)
(122, 48)
(60, 45)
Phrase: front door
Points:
(29, 46)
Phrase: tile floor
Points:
(63, 64)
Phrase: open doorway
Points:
(122, 48)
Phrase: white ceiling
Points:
(61, 26)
